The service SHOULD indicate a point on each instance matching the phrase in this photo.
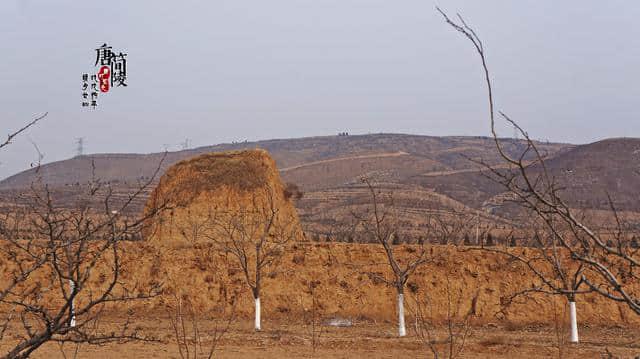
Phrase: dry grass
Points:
(240, 170)
(495, 340)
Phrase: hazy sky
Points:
(217, 71)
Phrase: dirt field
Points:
(363, 340)
(208, 281)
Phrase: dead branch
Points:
(11, 136)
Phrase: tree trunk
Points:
(401, 327)
(72, 321)
(257, 321)
(574, 322)
(256, 289)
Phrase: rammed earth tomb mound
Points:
(233, 181)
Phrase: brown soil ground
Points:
(205, 278)
(364, 340)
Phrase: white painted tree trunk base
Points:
(402, 331)
(257, 321)
(72, 310)
(574, 322)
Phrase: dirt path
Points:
(378, 155)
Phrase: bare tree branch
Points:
(54, 256)
(605, 262)
(11, 136)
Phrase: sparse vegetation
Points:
(187, 329)
(458, 321)
(493, 241)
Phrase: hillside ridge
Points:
(437, 167)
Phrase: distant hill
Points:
(337, 159)
(327, 169)
(588, 174)
(425, 171)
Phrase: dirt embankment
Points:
(344, 286)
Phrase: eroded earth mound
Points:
(215, 184)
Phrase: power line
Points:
(79, 146)
(186, 144)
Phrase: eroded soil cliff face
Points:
(347, 281)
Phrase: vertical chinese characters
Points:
(112, 72)
(94, 91)
(113, 64)
(85, 88)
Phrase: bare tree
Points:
(553, 272)
(458, 322)
(559, 327)
(313, 315)
(316, 330)
(255, 236)
(449, 226)
(382, 224)
(185, 322)
(604, 262)
(63, 268)
(186, 318)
